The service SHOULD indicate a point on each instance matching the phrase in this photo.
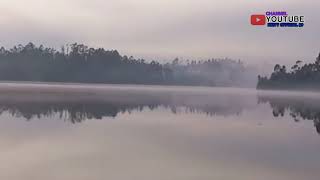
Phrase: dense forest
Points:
(82, 64)
(301, 76)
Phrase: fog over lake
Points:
(80, 131)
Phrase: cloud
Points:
(163, 28)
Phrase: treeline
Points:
(301, 76)
(213, 72)
(82, 64)
(76, 63)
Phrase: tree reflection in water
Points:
(82, 106)
(79, 103)
(299, 108)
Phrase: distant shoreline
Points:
(56, 87)
(66, 84)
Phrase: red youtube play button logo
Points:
(258, 19)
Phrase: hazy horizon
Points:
(164, 29)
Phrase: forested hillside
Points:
(300, 77)
(80, 63)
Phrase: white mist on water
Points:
(158, 132)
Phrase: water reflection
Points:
(78, 103)
(217, 134)
(79, 107)
(298, 107)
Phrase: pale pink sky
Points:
(164, 29)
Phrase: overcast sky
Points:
(164, 29)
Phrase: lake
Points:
(81, 132)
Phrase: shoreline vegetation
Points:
(78, 63)
(300, 77)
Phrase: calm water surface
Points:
(121, 132)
